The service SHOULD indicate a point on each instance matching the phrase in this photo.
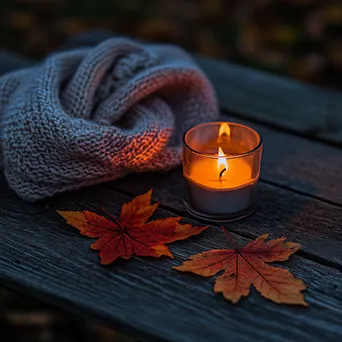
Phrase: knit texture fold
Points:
(94, 114)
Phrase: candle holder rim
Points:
(242, 155)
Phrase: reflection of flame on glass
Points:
(224, 130)
(222, 164)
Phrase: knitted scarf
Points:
(94, 114)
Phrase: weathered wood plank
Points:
(41, 255)
(311, 167)
(249, 93)
(34, 246)
(313, 223)
(300, 164)
(263, 97)
(278, 101)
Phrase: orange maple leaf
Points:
(130, 234)
(244, 267)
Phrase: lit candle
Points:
(221, 163)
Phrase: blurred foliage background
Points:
(297, 38)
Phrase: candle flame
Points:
(224, 130)
(222, 164)
(222, 160)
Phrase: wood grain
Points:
(278, 101)
(299, 164)
(263, 97)
(252, 94)
(292, 161)
(313, 223)
(41, 255)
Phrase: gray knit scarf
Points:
(94, 114)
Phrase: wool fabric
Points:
(94, 114)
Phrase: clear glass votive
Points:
(221, 164)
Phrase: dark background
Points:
(297, 38)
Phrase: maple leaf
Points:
(247, 266)
(130, 234)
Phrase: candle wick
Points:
(222, 172)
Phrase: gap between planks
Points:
(281, 102)
(185, 214)
(299, 192)
(298, 164)
(169, 198)
(66, 281)
(279, 128)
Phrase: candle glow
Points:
(221, 164)
(223, 172)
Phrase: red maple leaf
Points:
(247, 266)
(130, 234)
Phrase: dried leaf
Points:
(247, 266)
(130, 234)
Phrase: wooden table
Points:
(300, 198)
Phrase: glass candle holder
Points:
(221, 164)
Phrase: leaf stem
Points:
(113, 218)
(230, 237)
